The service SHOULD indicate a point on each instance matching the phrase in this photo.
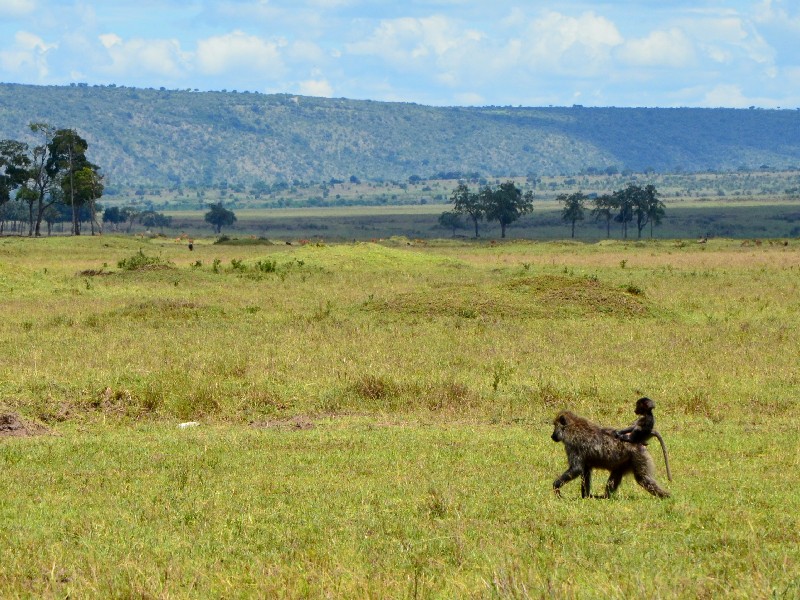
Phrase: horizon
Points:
(440, 53)
(86, 85)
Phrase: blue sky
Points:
(733, 53)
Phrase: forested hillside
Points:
(194, 139)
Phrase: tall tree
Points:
(506, 204)
(67, 158)
(468, 203)
(42, 176)
(219, 217)
(574, 208)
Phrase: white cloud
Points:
(729, 95)
(316, 87)
(660, 49)
(727, 39)
(775, 12)
(238, 51)
(16, 8)
(28, 55)
(560, 42)
(137, 57)
(409, 40)
(470, 99)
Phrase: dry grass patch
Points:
(543, 296)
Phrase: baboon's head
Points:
(644, 406)
(560, 423)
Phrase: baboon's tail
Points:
(664, 450)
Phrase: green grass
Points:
(431, 373)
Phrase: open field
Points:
(741, 219)
(375, 418)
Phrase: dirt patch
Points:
(298, 423)
(11, 425)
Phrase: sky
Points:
(702, 53)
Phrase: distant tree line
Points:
(638, 205)
(505, 204)
(43, 178)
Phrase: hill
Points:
(195, 139)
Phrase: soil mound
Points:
(11, 425)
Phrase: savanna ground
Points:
(374, 419)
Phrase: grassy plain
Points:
(375, 418)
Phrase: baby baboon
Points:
(590, 446)
(642, 429)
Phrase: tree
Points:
(219, 217)
(467, 203)
(114, 216)
(645, 206)
(28, 196)
(42, 174)
(84, 187)
(604, 210)
(67, 158)
(506, 204)
(451, 220)
(14, 163)
(622, 200)
(129, 214)
(152, 219)
(655, 208)
(574, 206)
(45, 174)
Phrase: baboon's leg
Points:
(643, 469)
(586, 483)
(651, 485)
(614, 479)
(566, 477)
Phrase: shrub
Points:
(141, 261)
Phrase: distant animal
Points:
(590, 446)
(191, 246)
(643, 429)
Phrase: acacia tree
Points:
(623, 202)
(506, 204)
(468, 203)
(655, 207)
(645, 206)
(603, 210)
(574, 206)
(450, 220)
(219, 217)
(115, 216)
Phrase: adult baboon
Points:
(590, 446)
(642, 429)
